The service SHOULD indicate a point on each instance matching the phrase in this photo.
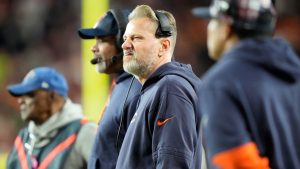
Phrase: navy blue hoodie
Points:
(165, 130)
(109, 139)
(250, 102)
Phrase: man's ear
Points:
(57, 101)
(230, 37)
(165, 46)
(227, 29)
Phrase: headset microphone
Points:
(117, 57)
(95, 61)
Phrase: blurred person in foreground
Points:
(165, 130)
(250, 98)
(108, 58)
(57, 135)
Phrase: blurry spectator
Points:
(249, 99)
(57, 135)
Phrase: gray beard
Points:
(135, 68)
(101, 67)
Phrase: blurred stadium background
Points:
(44, 33)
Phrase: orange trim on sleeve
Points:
(84, 121)
(59, 148)
(245, 156)
(21, 152)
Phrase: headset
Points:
(121, 17)
(164, 27)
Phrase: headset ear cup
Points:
(122, 20)
(164, 27)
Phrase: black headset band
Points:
(121, 20)
(164, 26)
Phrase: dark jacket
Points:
(105, 150)
(250, 98)
(165, 130)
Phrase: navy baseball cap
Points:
(106, 26)
(258, 15)
(41, 78)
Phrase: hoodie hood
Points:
(273, 55)
(173, 68)
(43, 133)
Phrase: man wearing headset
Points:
(108, 58)
(164, 132)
